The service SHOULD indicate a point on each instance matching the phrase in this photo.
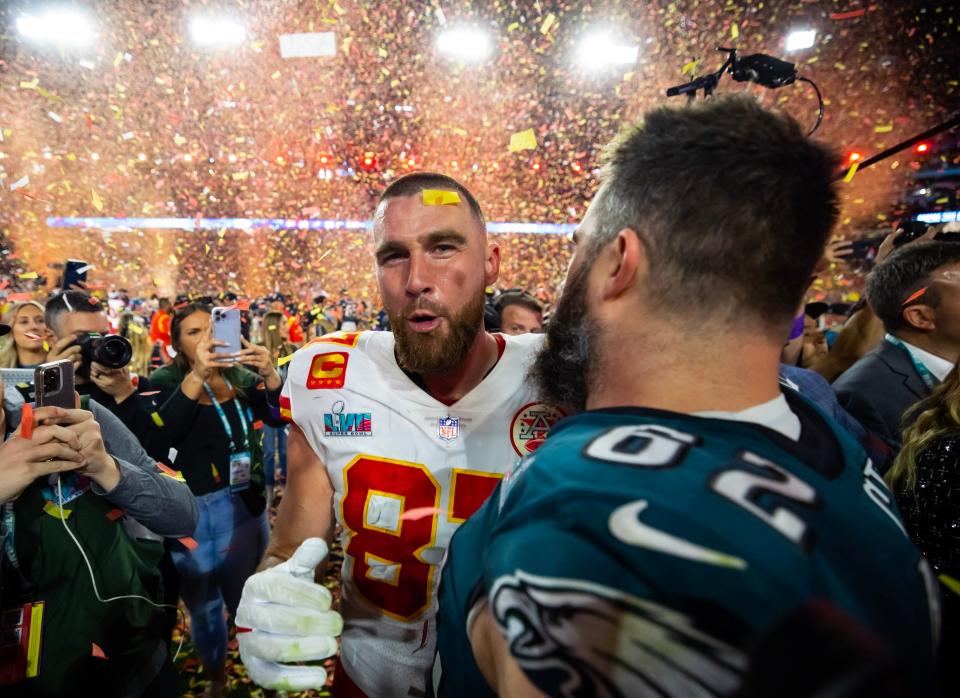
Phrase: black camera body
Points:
(108, 350)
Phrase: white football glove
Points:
(290, 620)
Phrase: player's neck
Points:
(451, 386)
(689, 377)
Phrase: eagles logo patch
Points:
(575, 638)
(530, 426)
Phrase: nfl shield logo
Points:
(448, 428)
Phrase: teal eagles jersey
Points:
(648, 553)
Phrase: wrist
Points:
(105, 472)
(272, 381)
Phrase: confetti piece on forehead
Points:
(439, 197)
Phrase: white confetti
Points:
(22, 182)
(56, 117)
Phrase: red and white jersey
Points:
(406, 470)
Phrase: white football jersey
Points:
(406, 470)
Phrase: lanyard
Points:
(928, 378)
(223, 416)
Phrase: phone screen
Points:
(74, 273)
(226, 328)
(53, 383)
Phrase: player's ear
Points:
(491, 265)
(623, 260)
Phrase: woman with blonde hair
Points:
(925, 479)
(133, 328)
(275, 336)
(26, 346)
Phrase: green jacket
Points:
(129, 633)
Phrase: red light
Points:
(454, 163)
(577, 167)
(536, 166)
(411, 162)
(853, 156)
(922, 147)
(324, 159)
(368, 161)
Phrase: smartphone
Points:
(865, 248)
(226, 328)
(53, 383)
(75, 273)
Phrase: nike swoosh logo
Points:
(625, 525)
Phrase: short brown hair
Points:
(416, 182)
(733, 203)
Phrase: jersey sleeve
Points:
(557, 593)
(295, 402)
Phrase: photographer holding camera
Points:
(101, 365)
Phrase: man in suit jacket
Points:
(916, 294)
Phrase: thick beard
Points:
(433, 352)
(562, 369)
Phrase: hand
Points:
(66, 348)
(98, 465)
(257, 356)
(839, 251)
(51, 449)
(886, 247)
(115, 382)
(290, 620)
(208, 358)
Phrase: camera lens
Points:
(113, 351)
(51, 380)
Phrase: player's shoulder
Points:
(658, 452)
(339, 349)
(522, 347)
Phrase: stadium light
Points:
(600, 49)
(66, 26)
(216, 31)
(464, 44)
(801, 39)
